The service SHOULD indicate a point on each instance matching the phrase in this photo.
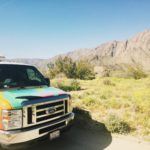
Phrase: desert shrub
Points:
(103, 97)
(85, 70)
(119, 74)
(89, 101)
(52, 72)
(136, 72)
(108, 82)
(74, 85)
(106, 73)
(66, 66)
(102, 71)
(71, 69)
(128, 71)
(116, 125)
(62, 65)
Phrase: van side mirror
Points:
(48, 81)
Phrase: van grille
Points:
(44, 112)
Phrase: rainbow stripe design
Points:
(9, 99)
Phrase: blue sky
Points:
(45, 28)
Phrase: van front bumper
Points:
(29, 134)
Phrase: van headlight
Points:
(11, 119)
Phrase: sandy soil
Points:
(87, 134)
(86, 139)
(127, 143)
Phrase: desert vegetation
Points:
(67, 85)
(120, 102)
(71, 69)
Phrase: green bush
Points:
(116, 125)
(85, 70)
(52, 72)
(81, 70)
(74, 85)
(62, 65)
(136, 72)
(67, 66)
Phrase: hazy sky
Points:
(44, 28)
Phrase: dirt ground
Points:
(127, 143)
(86, 139)
(87, 134)
(77, 139)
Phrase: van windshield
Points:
(12, 76)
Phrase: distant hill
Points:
(2, 57)
(40, 63)
(132, 51)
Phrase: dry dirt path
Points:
(86, 139)
(127, 143)
(87, 134)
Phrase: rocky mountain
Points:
(133, 51)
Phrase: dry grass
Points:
(128, 99)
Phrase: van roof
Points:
(14, 63)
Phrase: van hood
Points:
(22, 97)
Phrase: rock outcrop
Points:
(132, 51)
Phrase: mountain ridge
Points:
(135, 50)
